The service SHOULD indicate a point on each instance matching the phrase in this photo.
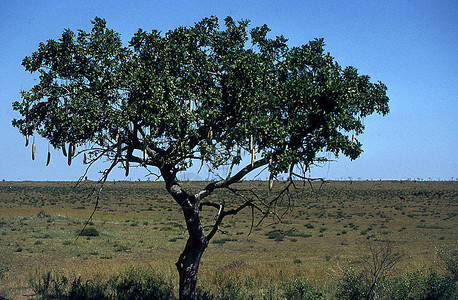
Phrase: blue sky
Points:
(411, 46)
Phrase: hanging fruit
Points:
(127, 168)
(64, 152)
(70, 154)
(33, 150)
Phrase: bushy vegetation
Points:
(89, 231)
(419, 285)
(135, 283)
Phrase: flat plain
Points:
(323, 230)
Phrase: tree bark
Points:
(188, 267)
(188, 263)
(189, 260)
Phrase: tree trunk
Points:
(188, 263)
(188, 267)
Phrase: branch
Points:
(225, 183)
(310, 179)
(100, 182)
(219, 217)
(222, 214)
(104, 151)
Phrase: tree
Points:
(193, 95)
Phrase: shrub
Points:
(275, 234)
(89, 231)
(133, 284)
(309, 225)
(449, 257)
(51, 286)
(351, 286)
(42, 214)
(300, 290)
(418, 286)
(139, 284)
(225, 288)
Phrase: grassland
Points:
(326, 231)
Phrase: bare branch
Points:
(101, 183)
(224, 183)
(310, 179)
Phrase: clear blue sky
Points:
(411, 46)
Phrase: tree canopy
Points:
(196, 95)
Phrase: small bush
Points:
(300, 290)
(309, 225)
(225, 288)
(90, 231)
(42, 214)
(121, 247)
(141, 284)
(275, 234)
(351, 286)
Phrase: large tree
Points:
(197, 95)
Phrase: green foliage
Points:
(351, 286)
(137, 284)
(417, 285)
(449, 257)
(89, 231)
(195, 91)
(276, 235)
(300, 290)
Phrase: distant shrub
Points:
(42, 214)
(90, 231)
(309, 225)
(121, 247)
(223, 241)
